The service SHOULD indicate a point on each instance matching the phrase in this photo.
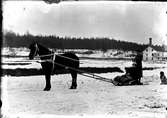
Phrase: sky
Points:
(127, 21)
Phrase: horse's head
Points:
(33, 50)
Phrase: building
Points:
(153, 54)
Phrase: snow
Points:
(15, 51)
(28, 66)
(23, 96)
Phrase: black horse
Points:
(62, 61)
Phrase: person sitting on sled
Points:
(137, 64)
(123, 80)
(163, 78)
(133, 74)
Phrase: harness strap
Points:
(57, 55)
(53, 62)
(87, 74)
(36, 50)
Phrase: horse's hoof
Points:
(46, 89)
(73, 87)
(115, 83)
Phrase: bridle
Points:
(52, 60)
(36, 50)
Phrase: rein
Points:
(84, 73)
(81, 72)
(44, 55)
(56, 55)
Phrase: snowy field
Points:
(23, 96)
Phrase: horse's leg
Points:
(48, 84)
(74, 80)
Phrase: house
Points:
(153, 54)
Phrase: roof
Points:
(157, 48)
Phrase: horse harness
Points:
(36, 50)
(84, 73)
(47, 60)
(54, 56)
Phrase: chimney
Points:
(150, 41)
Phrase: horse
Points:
(66, 60)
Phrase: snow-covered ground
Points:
(15, 51)
(24, 96)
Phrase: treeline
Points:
(12, 39)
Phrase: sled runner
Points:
(131, 77)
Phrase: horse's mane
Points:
(43, 49)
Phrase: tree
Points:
(52, 1)
(55, 1)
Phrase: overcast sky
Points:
(129, 21)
